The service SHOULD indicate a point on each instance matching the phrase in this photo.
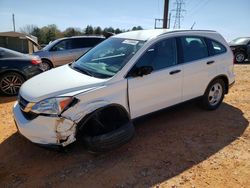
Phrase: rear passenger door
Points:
(198, 67)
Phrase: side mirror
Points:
(141, 71)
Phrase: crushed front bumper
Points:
(45, 130)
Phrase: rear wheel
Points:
(214, 95)
(45, 65)
(240, 57)
(10, 83)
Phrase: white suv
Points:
(125, 77)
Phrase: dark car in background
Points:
(15, 69)
(66, 50)
(241, 48)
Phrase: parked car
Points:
(241, 48)
(127, 76)
(66, 50)
(15, 68)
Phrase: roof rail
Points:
(188, 30)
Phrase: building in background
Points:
(20, 42)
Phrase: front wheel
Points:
(214, 95)
(240, 57)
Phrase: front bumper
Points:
(45, 130)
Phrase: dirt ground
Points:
(180, 147)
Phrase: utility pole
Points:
(178, 13)
(13, 20)
(165, 14)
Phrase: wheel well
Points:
(225, 80)
(10, 71)
(111, 117)
(241, 50)
(51, 64)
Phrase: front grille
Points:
(23, 104)
(29, 115)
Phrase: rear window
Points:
(215, 47)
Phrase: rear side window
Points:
(86, 42)
(193, 48)
(215, 47)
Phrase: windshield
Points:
(240, 41)
(48, 46)
(107, 58)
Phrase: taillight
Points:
(36, 61)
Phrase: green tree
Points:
(98, 30)
(89, 30)
(71, 31)
(137, 28)
(117, 31)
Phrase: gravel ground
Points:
(183, 146)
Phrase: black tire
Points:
(45, 65)
(10, 83)
(111, 140)
(240, 57)
(213, 103)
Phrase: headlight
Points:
(51, 106)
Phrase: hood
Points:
(57, 82)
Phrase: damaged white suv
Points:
(128, 75)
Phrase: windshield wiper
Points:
(82, 70)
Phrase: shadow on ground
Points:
(5, 99)
(166, 144)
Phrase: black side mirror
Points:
(141, 71)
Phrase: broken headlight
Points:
(52, 106)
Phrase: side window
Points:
(86, 42)
(160, 55)
(63, 45)
(215, 47)
(193, 48)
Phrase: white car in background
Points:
(126, 76)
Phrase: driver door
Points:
(163, 86)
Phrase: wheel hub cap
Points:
(11, 84)
(215, 94)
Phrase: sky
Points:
(231, 18)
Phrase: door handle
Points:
(210, 62)
(174, 72)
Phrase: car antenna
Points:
(193, 26)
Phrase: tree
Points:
(71, 31)
(89, 30)
(137, 28)
(109, 29)
(98, 30)
(117, 31)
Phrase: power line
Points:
(178, 13)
